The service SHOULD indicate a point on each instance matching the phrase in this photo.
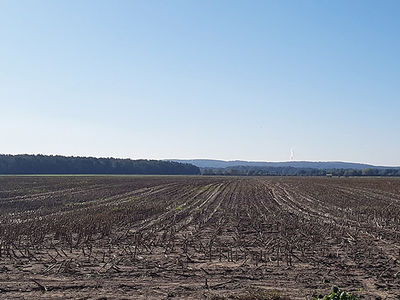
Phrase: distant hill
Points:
(210, 163)
(49, 164)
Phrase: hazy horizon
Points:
(230, 80)
(211, 159)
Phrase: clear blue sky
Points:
(202, 79)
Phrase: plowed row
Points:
(149, 237)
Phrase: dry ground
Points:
(149, 237)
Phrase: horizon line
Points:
(214, 159)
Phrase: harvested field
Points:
(158, 237)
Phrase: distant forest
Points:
(49, 164)
(292, 171)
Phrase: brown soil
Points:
(149, 237)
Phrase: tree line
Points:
(56, 164)
(292, 171)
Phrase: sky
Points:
(225, 79)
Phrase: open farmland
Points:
(132, 237)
